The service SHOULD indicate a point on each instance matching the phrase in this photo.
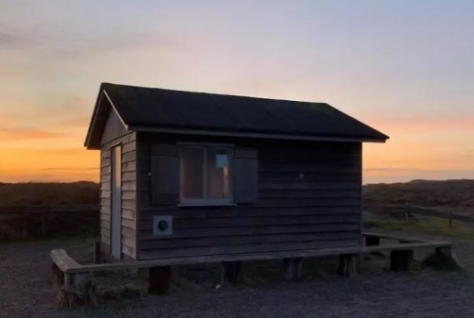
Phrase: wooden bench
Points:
(400, 254)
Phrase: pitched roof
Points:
(151, 109)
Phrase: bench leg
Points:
(372, 241)
(159, 279)
(446, 251)
(400, 260)
(230, 272)
(58, 276)
(292, 268)
(347, 265)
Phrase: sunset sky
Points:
(403, 67)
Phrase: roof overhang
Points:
(101, 111)
(255, 135)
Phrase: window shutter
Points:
(245, 175)
(164, 174)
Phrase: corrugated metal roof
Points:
(162, 108)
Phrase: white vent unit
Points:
(162, 225)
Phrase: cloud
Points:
(52, 42)
(7, 39)
(27, 133)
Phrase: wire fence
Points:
(407, 211)
(24, 222)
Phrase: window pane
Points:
(192, 176)
(218, 173)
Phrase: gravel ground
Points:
(26, 290)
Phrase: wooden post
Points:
(43, 224)
(347, 265)
(400, 260)
(97, 253)
(450, 219)
(406, 212)
(447, 251)
(230, 272)
(159, 279)
(292, 268)
(372, 241)
(58, 276)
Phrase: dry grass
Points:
(21, 227)
(425, 224)
(456, 194)
(78, 193)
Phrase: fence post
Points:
(43, 222)
(406, 212)
(450, 219)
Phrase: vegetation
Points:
(47, 225)
(77, 193)
(457, 194)
(428, 225)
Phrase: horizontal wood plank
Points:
(128, 213)
(309, 194)
(245, 211)
(129, 204)
(129, 177)
(129, 194)
(193, 223)
(129, 185)
(309, 185)
(260, 230)
(239, 249)
(128, 223)
(165, 242)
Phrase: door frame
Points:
(116, 202)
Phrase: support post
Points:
(400, 260)
(159, 279)
(446, 251)
(347, 265)
(372, 241)
(97, 253)
(57, 275)
(292, 268)
(230, 272)
(43, 224)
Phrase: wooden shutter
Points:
(245, 175)
(164, 174)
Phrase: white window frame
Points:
(205, 201)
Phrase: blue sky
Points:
(404, 67)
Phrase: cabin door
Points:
(116, 203)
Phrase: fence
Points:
(21, 222)
(408, 210)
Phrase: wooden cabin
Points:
(187, 174)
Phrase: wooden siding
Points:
(129, 205)
(309, 197)
(113, 129)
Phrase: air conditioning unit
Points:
(162, 225)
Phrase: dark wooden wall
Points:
(320, 210)
(114, 137)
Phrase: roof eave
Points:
(139, 128)
(88, 143)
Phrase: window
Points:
(205, 174)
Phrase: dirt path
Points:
(25, 290)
